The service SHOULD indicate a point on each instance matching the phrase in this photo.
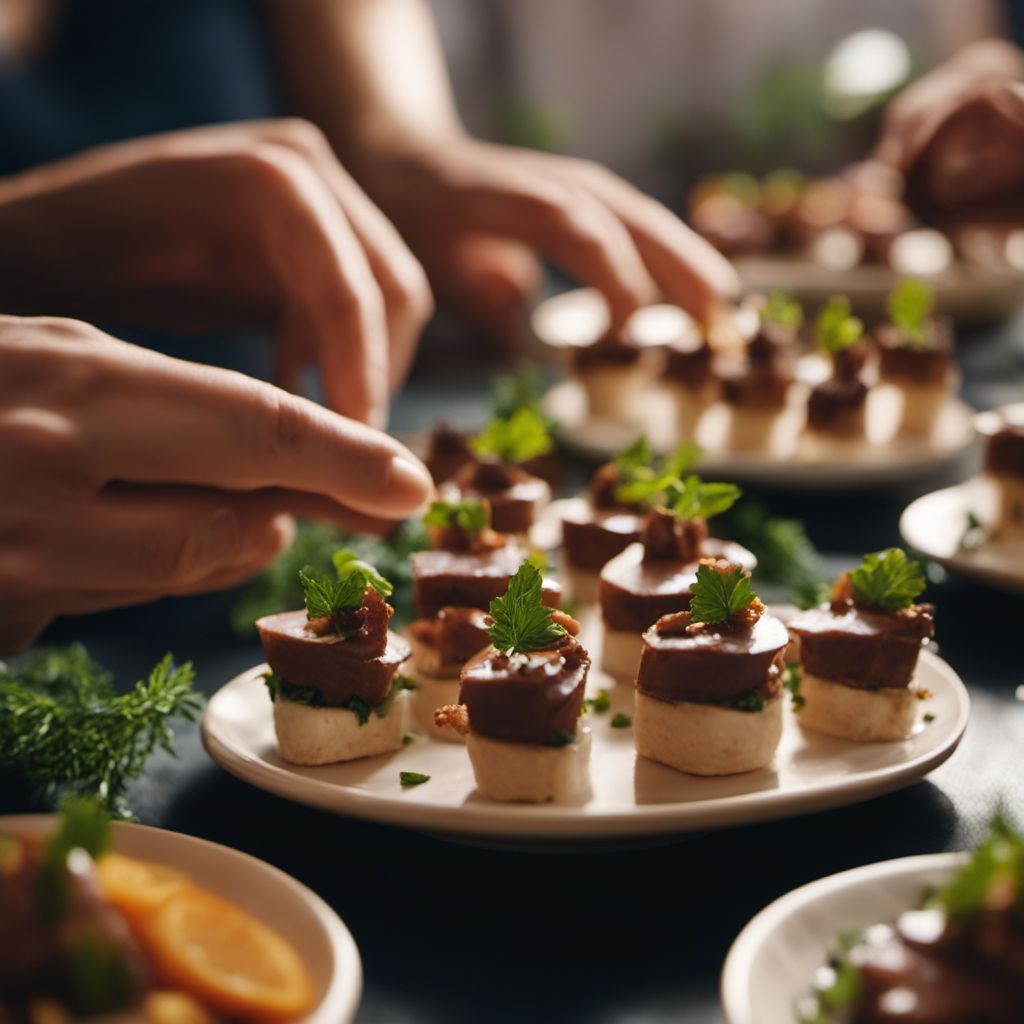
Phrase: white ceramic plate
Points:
(310, 925)
(631, 796)
(934, 524)
(794, 458)
(772, 963)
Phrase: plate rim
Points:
(735, 975)
(344, 992)
(545, 823)
(961, 564)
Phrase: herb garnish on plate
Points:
(522, 622)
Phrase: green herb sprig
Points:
(518, 438)
(783, 310)
(910, 304)
(696, 499)
(646, 481)
(522, 622)
(469, 515)
(66, 730)
(717, 597)
(837, 329)
(324, 596)
(887, 579)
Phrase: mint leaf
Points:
(910, 304)
(522, 436)
(717, 597)
(621, 720)
(696, 499)
(837, 329)
(522, 623)
(887, 579)
(637, 456)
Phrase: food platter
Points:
(630, 798)
(804, 463)
(297, 914)
(772, 962)
(935, 525)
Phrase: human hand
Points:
(128, 475)
(473, 212)
(238, 225)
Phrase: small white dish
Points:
(936, 524)
(631, 797)
(771, 964)
(295, 912)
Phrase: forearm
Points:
(370, 73)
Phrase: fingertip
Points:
(410, 485)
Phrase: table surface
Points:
(455, 933)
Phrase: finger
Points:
(690, 272)
(567, 225)
(164, 420)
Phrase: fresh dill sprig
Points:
(910, 304)
(887, 579)
(65, 730)
(470, 515)
(783, 310)
(837, 329)
(717, 597)
(522, 622)
(518, 438)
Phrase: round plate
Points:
(630, 796)
(299, 915)
(935, 525)
(796, 460)
(772, 963)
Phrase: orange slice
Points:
(136, 887)
(225, 957)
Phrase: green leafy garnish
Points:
(910, 304)
(647, 482)
(278, 588)
(782, 310)
(101, 980)
(791, 676)
(562, 738)
(621, 720)
(929, 717)
(997, 861)
(837, 329)
(518, 438)
(514, 391)
(470, 515)
(599, 704)
(65, 729)
(636, 457)
(412, 779)
(278, 687)
(522, 623)
(845, 990)
(696, 499)
(324, 596)
(752, 701)
(887, 579)
(716, 597)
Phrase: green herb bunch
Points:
(325, 596)
(887, 579)
(782, 310)
(518, 438)
(470, 515)
(717, 597)
(837, 329)
(65, 730)
(522, 622)
(910, 304)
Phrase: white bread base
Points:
(753, 430)
(530, 772)
(865, 716)
(314, 736)
(612, 391)
(702, 739)
(620, 654)
(578, 585)
(922, 404)
(431, 693)
(1010, 517)
(690, 405)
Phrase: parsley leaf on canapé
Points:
(717, 597)
(522, 622)
(887, 579)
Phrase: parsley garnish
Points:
(518, 438)
(636, 457)
(64, 728)
(752, 701)
(325, 597)
(621, 721)
(929, 718)
(599, 704)
(412, 779)
(717, 597)
(791, 676)
(782, 310)
(647, 482)
(470, 515)
(887, 579)
(699, 500)
(562, 738)
(522, 623)
(514, 391)
(837, 329)
(910, 304)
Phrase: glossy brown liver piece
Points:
(590, 539)
(924, 364)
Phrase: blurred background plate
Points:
(772, 963)
(297, 914)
